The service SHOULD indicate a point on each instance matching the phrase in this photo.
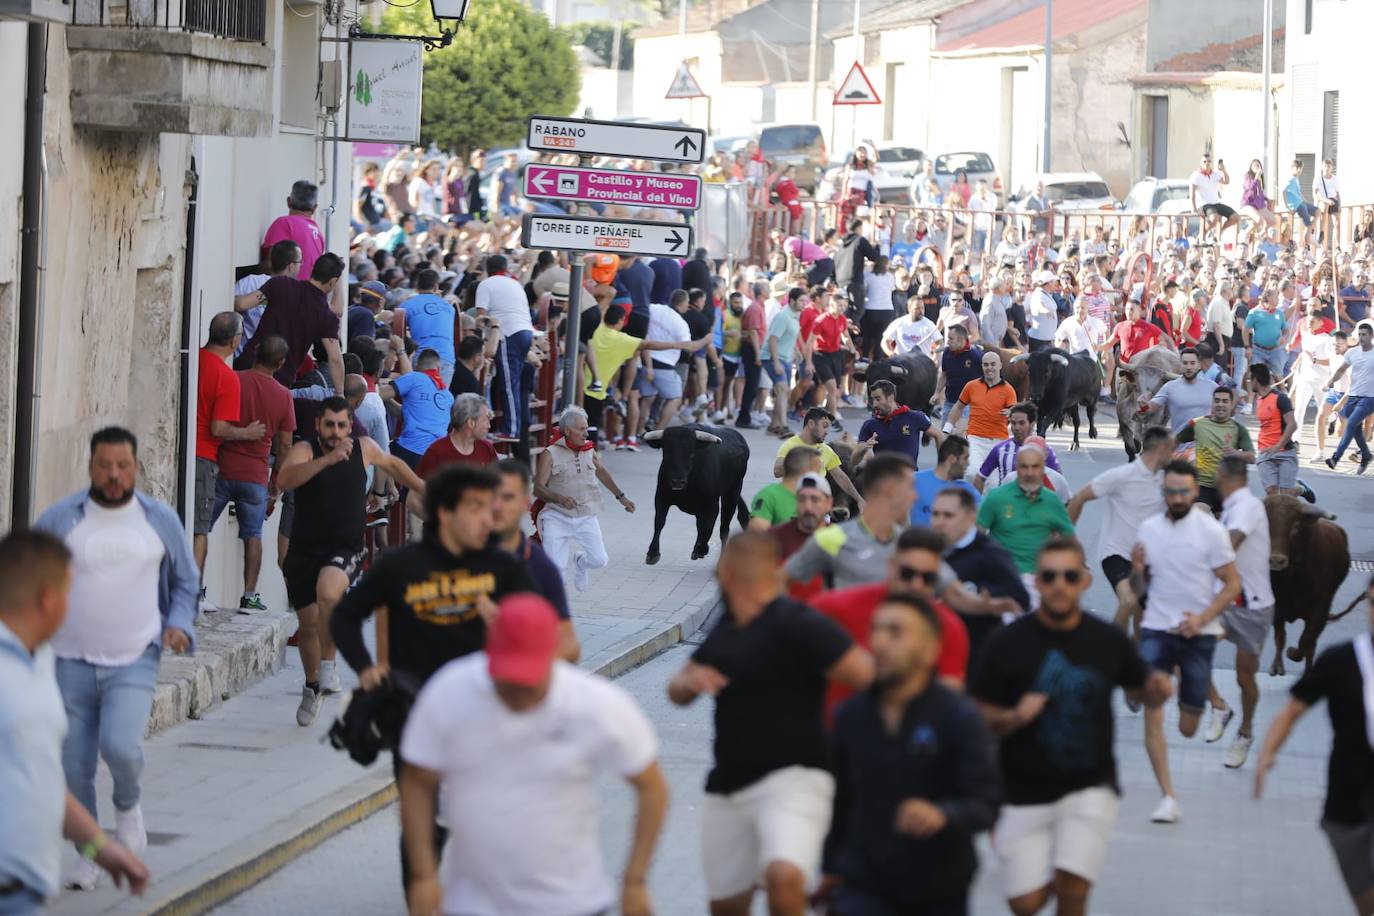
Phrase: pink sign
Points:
(607, 186)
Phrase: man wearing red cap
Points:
(518, 742)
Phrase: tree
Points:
(505, 64)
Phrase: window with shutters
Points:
(1309, 171)
(1331, 124)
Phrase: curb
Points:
(377, 790)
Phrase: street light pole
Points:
(815, 51)
(1267, 66)
(1049, 83)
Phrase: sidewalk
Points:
(238, 790)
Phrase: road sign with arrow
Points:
(615, 138)
(613, 236)
(856, 89)
(685, 85)
(669, 190)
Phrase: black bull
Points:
(1060, 383)
(913, 374)
(701, 473)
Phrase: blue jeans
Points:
(509, 391)
(1356, 410)
(107, 713)
(21, 903)
(1163, 651)
(1305, 212)
(250, 505)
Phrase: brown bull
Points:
(1309, 558)
(1017, 375)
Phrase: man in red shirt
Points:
(912, 569)
(1135, 334)
(814, 503)
(246, 475)
(829, 345)
(466, 442)
(217, 409)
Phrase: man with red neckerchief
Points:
(893, 427)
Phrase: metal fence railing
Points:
(241, 20)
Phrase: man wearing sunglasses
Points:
(914, 568)
(1045, 686)
(1183, 560)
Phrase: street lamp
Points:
(453, 11)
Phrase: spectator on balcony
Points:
(298, 225)
(1326, 191)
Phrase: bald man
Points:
(768, 798)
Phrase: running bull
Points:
(702, 473)
(1309, 558)
(912, 373)
(1136, 383)
(1060, 383)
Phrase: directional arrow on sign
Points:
(688, 147)
(541, 181)
(615, 138)
(616, 236)
(675, 241)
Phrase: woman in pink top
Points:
(1253, 201)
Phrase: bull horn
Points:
(1060, 359)
(898, 370)
(652, 435)
(702, 436)
(1170, 376)
(1018, 358)
(1308, 509)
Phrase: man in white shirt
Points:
(1132, 493)
(1042, 315)
(1081, 332)
(503, 298)
(658, 376)
(133, 596)
(1220, 321)
(283, 260)
(1182, 558)
(515, 743)
(1326, 192)
(913, 331)
(982, 203)
(1359, 361)
(1247, 625)
(1204, 191)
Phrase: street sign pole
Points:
(574, 319)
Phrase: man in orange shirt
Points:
(912, 569)
(989, 401)
(1278, 456)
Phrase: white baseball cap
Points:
(814, 480)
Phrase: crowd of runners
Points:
(904, 660)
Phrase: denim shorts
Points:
(1193, 658)
(250, 505)
(783, 378)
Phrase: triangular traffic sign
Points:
(856, 89)
(685, 85)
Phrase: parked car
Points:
(1165, 196)
(727, 145)
(976, 166)
(899, 159)
(801, 145)
(1069, 192)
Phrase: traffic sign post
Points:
(608, 186)
(615, 138)
(612, 236)
(684, 85)
(856, 89)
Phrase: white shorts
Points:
(1033, 841)
(978, 449)
(783, 817)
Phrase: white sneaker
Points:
(1168, 811)
(329, 677)
(1217, 720)
(762, 419)
(701, 401)
(1240, 749)
(130, 832)
(718, 417)
(206, 605)
(309, 708)
(583, 577)
(84, 876)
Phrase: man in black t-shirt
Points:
(1342, 676)
(769, 796)
(470, 353)
(1045, 685)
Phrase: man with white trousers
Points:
(568, 478)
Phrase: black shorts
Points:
(586, 327)
(596, 416)
(301, 570)
(637, 325)
(829, 366)
(1221, 210)
(1210, 497)
(1117, 569)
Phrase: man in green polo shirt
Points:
(1023, 514)
(777, 502)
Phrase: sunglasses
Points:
(1178, 491)
(907, 574)
(1050, 576)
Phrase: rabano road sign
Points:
(615, 138)
(636, 189)
(614, 236)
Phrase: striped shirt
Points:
(1000, 465)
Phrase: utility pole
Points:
(815, 50)
(1049, 83)
(681, 18)
(854, 109)
(1268, 65)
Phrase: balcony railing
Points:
(241, 20)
